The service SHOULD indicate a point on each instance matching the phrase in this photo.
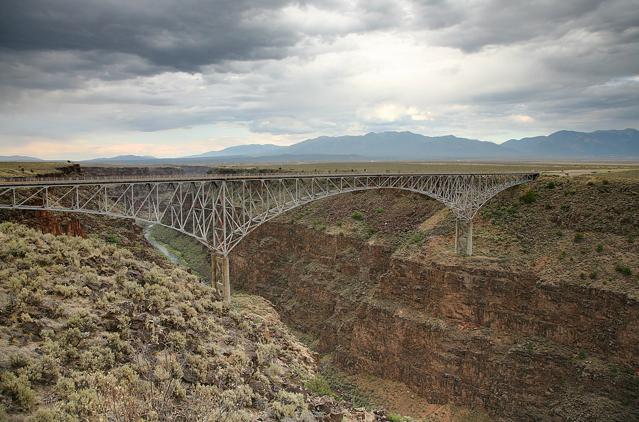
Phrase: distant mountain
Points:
(401, 146)
(18, 158)
(407, 146)
(122, 159)
(568, 144)
(245, 150)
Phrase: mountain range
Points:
(18, 158)
(403, 146)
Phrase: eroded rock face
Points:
(49, 222)
(465, 334)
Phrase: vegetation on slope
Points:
(33, 169)
(192, 253)
(90, 332)
(580, 230)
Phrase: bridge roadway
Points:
(220, 210)
(47, 181)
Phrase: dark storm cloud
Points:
(473, 25)
(50, 70)
(180, 34)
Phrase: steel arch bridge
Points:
(220, 211)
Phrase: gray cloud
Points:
(471, 26)
(183, 35)
(290, 69)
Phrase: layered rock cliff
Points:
(472, 331)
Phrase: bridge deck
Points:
(36, 181)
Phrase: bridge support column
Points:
(214, 273)
(220, 276)
(464, 237)
(226, 280)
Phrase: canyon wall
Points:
(468, 334)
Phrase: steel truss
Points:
(221, 211)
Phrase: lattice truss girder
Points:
(221, 212)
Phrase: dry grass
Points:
(10, 169)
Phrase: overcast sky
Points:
(82, 78)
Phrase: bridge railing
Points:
(36, 180)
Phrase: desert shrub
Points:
(357, 215)
(320, 386)
(551, 185)
(45, 370)
(176, 340)
(529, 197)
(266, 352)
(113, 238)
(579, 237)
(415, 238)
(289, 405)
(83, 320)
(51, 415)
(623, 270)
(18, 389)
(394, 417)
(18, 360)
(123, 354)
(599, 248)
(96, 358)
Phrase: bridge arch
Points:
(277, 212)
(220, 211)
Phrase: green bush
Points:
(394, 417)
(599, 248)
(529, 197)
(113, 238)
(357, 215)
(320, 386)
(623, 270)
(415, 238)
(579, 237)
(551, 185)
